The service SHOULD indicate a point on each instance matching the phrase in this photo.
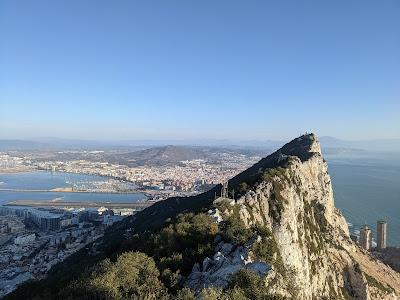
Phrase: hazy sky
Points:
(199, 69)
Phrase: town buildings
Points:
(49, 237)
(365, 239)
(46, 221)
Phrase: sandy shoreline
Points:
(63, 189)
(21, 169)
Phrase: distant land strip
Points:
(34, 203)
(68, 190)
(19, 169)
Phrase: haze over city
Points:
(199, 70)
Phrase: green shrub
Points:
(133, 275)
(185, 294)
(278, 178)
(212, 293)
(234, 228)
(181, 244)
(243, 187)
(252, 286)
(375, 283)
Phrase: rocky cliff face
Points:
(305, 251)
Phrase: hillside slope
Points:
(159, 156)
(277, 236)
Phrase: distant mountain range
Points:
(173, 155)
(370, 145)
(329, 144)
(21, 145)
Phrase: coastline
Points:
(13, 170)
(150, 194)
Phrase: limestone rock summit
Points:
(289, 194)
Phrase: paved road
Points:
(34, 203)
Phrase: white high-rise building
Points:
(365, 237)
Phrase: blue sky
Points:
(199, 69)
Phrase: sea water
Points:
(366, 188)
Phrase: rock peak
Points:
(303, 147)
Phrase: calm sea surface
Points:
(367, 188)
(43, 180)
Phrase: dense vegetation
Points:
(153, 265)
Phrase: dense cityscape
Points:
(183, 178)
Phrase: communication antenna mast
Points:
(224, 190)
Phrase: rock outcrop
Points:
(228, 259)
(289, 194)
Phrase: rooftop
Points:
(38, 212)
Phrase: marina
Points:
(45, 186)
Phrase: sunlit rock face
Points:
(293, 200)
(228, 259)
